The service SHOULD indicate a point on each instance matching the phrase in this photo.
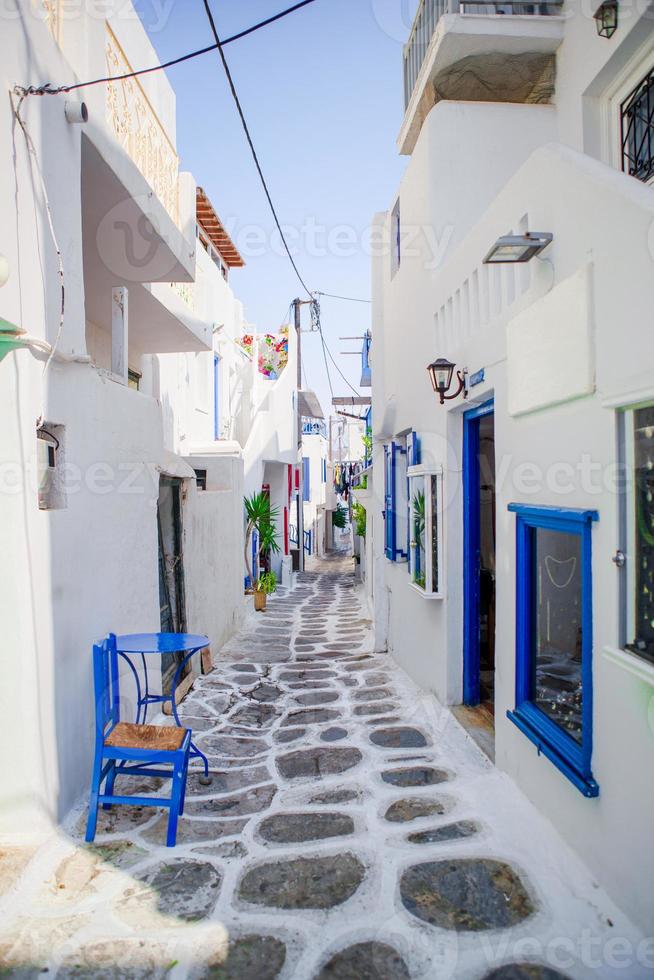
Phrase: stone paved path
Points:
(351, 832)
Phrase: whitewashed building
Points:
(512, 528)
(314, 484)
(137, 405)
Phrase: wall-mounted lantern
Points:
(606, 18)
(518, 248)
(440, 374)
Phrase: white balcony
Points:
(478, 52)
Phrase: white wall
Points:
(596, 282)
(314, 448)
(213, 548)
(71, 575)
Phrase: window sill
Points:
(425, 595)
(523, 720)
(637, 666)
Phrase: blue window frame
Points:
(368, 449)
(324, 471)
(472, 550)
(216, 396)
(554, 637)
(414, 457)
(306, 478)
(395, 538)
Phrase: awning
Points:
(309, 405)
(216, 231)
(170, 464)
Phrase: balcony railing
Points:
(430, 12)
(139, 130)
(314, 427)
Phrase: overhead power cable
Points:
(48, 89)
(219, 46)
(351, 386)
(349, 299)
(315, 310)
(324, 354)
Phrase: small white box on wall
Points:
(550, 353)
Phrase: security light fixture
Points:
(606, 18)
(440, 374)
(518, 248)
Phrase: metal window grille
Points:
(637, 126)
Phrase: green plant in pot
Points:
(339, 517)
(261, 518)
(266, 585)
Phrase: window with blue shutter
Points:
(389, 515)
(394, 510)
(306, 478)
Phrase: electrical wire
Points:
(315, 315)
(351, 386)
(251, 145)
(324, 354)
(287, 316)
(349, 299)
(47, 88)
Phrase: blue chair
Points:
(119, 743)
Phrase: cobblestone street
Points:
(351, 831)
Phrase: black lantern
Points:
(606, 18)
(440, 374)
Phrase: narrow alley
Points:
(352, 830)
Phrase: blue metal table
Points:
(133, 644)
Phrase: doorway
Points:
(479, 562)
(172, 598)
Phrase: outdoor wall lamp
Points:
(518, 248)
(606, 18)
(440, 374)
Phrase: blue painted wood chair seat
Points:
(126, 749)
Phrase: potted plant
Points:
(359, 515)
(266, 585)
(261, 518)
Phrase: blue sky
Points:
(322, 94)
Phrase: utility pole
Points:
(300, 495)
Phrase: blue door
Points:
(478, 555)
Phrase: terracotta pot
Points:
(260, 601)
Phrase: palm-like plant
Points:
(419, 516)
(261, 518)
